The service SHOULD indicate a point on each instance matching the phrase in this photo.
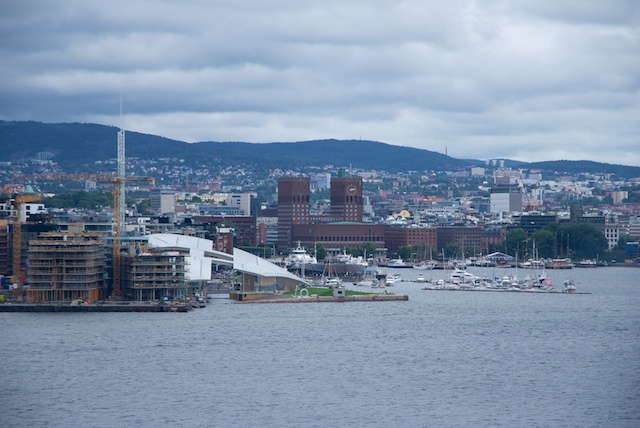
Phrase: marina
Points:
(481, 279)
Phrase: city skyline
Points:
(528, 81)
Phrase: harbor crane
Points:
(118, 189)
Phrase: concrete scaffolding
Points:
(63, 267)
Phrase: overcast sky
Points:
(521, 79)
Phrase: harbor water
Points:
(441, 359)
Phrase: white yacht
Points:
(425, 265)
(397, 263)
(350, 260)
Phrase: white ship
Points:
(298, 257)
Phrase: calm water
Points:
(459, 359)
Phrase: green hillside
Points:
(77, 146)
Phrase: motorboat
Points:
(397, 263)
(425, 265)
(586, 264)
(351, 260)
(330, 281)
(569, 286)
(366, 282)
(393, 278)
(420, 279)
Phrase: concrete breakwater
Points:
(329, 299)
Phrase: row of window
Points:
(300, 198)
(349, 239)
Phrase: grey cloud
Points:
(485, 79)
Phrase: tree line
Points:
(94, 200)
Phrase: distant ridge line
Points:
(76, 145)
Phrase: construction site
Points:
(81, 267)
(154, 274)
(45, 267)
(65, 267)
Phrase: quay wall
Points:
(25, 307)
(330, 299)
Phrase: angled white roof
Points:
(199, 258)
(202, 255)
(247, 262)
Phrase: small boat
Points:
(331, 281)
(421, 278)
(586, 264)
(351, 260)
(397, 263)
(393, 278)
(569, 286)
(365, 283)
(426, 265)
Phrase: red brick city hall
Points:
(342, 225)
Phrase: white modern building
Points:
(162, 201)
(241, 201)
(258, 275)
(26, 210)
(506, 199)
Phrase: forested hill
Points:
(75, 146)
(578, 167)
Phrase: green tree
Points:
(144, 206)
(80, 199)
(587, 241)
(424, 251)
(365, 250)
(516, 241)
(368, 250)
(320, 252)
(583, 240)
(545, 241)
(451, 251)
(404, 252)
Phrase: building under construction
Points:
(156, 274)
(65, 267)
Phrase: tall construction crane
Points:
(118, 188)
(18, 274)
(118, 192)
